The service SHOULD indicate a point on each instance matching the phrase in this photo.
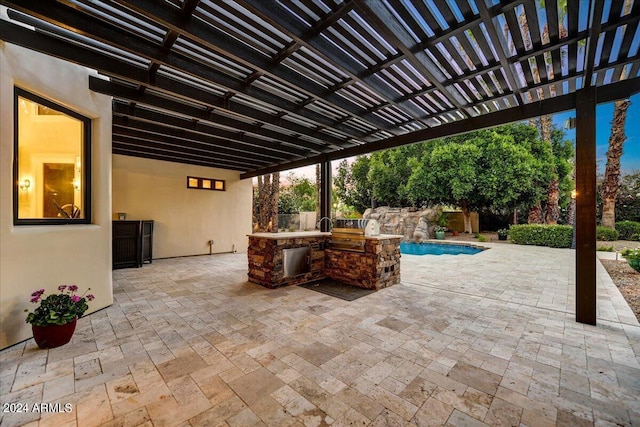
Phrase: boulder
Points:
(421, 231)
(414, 224)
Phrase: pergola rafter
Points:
(316, 79)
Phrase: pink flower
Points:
(90, 297)
(62, 287)
(75, 298)
(73, 288)
(35, 298)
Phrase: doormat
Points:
(337, 289)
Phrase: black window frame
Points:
(86, 156)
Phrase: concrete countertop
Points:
(290, 235)
(385, 236)
(303, 234)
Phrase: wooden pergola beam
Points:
(619, 90)
(585, 227)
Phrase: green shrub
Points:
(605, 249)
(606, 234)
(555, 236)
(635, 237)
(627, 229)
(481, 238)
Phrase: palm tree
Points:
(544, 124)
(611, 182)
(268, 190)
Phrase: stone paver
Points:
(488, 339)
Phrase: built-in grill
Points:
(347, 239)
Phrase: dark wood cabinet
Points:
(132, 243)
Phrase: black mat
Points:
(337, 289)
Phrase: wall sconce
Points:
(574, 194)
(25, 184)
(76, 185)
(570, 123)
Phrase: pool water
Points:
(411, 248)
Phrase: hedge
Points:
(627, 229)
(555, 236)
(605, 233)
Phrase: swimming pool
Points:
(412, 248)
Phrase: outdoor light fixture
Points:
(570, 123)
(25, 184)
(76, 185)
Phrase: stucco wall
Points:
(33, 257)
(185, 219)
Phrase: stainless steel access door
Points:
(296, 261)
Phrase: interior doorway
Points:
(58, 188)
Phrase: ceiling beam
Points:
(220, 42)
(275, 15)
(122, 124)
(179, 147)
(78, 22)
(387, 25)
(111, 66)
(595, 16)
(123, 92)
(497, 40)
(158, 144)
(129, 150)
(614, 91)
(185, 128)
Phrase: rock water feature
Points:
(413, 224)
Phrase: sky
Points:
(629, 163)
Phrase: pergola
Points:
(260, 86)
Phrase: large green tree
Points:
(478, 170)
(389, 172)
(351, 184)
(298, 195)
(507, 168)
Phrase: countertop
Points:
(290, 235)
(303, 234)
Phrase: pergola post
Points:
(585, 227)
(325, 194)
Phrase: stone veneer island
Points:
(376, 268)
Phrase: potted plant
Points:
(633, 258)
(54, 320)
(442, 220)
(503, 233)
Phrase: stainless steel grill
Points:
(347, 239)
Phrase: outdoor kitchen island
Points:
(293, 258)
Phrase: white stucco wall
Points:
(33, 257)
(185, 219)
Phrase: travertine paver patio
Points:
(483, 340)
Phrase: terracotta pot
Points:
(52, 336)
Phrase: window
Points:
(205, 183)
(51, 167)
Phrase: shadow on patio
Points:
(464, 340)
